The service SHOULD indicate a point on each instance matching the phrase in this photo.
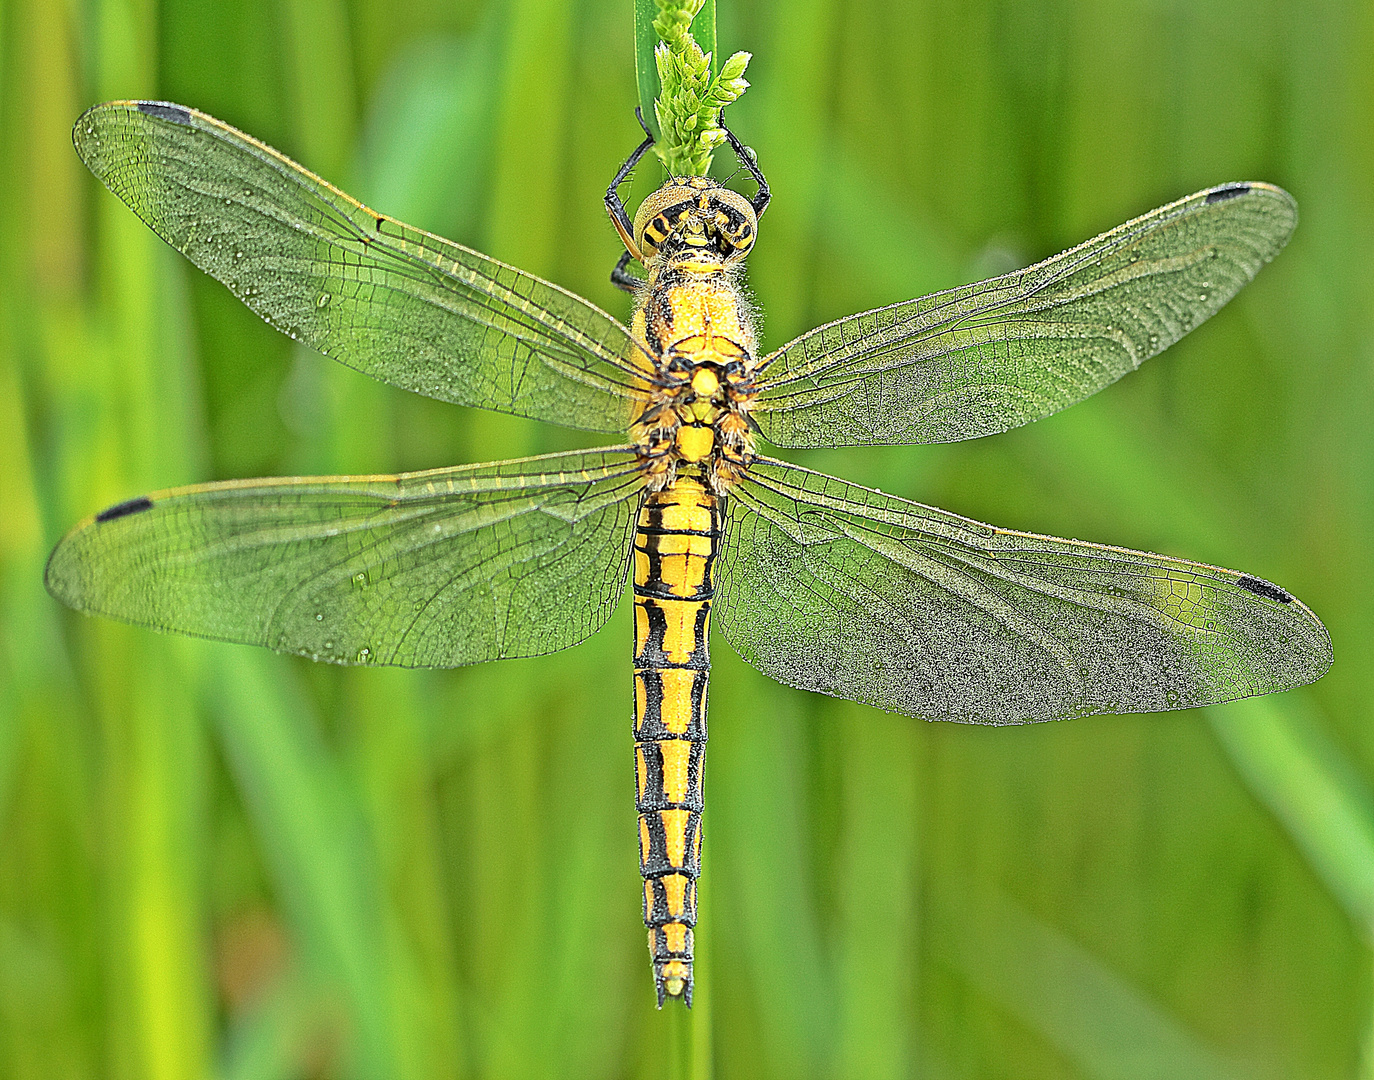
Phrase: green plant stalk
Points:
(1366, 1066)
(646, 72)
(675, 50)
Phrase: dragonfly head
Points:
(695, 213)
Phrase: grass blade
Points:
(1108, 1027)
(1292, 766)
(311, 827)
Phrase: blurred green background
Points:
(219, 862)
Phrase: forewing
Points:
(404, 306)
(432, 569)
(846, 591)
(998, 354)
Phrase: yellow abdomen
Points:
(676, 542)
(693, 438)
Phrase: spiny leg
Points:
(623, 279)
(760, 200)
(614, 205)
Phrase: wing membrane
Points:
(404, 306)
(992, 356)
(431, 569)
(839, 589)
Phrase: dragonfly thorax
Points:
(693, 324)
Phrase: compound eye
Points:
(734, 223)
(657, 230)
(740, 240)
(736, 233)
(659, 213)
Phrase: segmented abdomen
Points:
(675, 547)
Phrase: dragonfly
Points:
(821, 584)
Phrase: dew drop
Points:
(1202, 297)
(1154, 340)
(361, 580)
(319, 616)
(364, 655)
(323, 301)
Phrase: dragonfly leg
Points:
(761, 197)
(614, 205)
(623, 279)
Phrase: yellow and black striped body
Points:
(675, 548)
(694, 441)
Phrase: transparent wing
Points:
(839, 589)
(404, 306)
(431, 569)
(987, 357)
